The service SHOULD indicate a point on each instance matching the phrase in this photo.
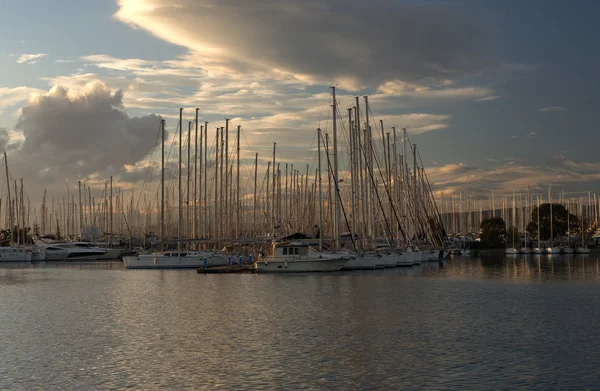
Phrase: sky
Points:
(498, 95)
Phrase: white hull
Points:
(525, 250)
(567, 250)
(301, 265)
(538, 250)
(511, 251)
(160, 261)
(553, 250)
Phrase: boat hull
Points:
(161, 262)
(301, 265)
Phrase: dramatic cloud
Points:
(74, 134)
(553, 108)
(318, 41)
(30, 58)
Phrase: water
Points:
(475, 323)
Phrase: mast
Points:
(320, 192)
(352, 174)
(179, 209)
(187, 168)
(10, 209)
(237, 223)
(205, 203)
(215, 227)
(255, 181)
(227, 189)
(110, 228)
(336, 229)
(80, 212)
(273, 198)
(539, 229)
(550, 202)
(162, 185)
(195, 203)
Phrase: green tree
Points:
(493, 229)
(560, 216)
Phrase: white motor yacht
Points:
(299, 257)
(73, 251)
(175, 260)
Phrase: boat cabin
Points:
(291, 250)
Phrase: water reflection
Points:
(522, 267)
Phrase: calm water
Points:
(476, 323)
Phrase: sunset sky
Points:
(498, 95)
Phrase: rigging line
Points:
(148, 168)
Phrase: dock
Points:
(235, 269)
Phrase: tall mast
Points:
(215, 223)
(273, 198)
(369, 156)
(227, 189)
(188, 167)
(195, 203)
(336, 225)
(550, 202)
(352, 174)
(162, 184)
(110, 228)
(179, 209)
(205, 203)
(237, 223)
(255, 181)
(80, 212)
(10, 209)
(320, 192)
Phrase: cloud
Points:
(30, 58)
(423, 91)
(78, 133)
(553, 108)
(64, 61)
(12, 96)
(488, 98)
(318, 41)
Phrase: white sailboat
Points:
(583, 249)
(513, 250)
(539, 249)
(525, 248)
(552, 249)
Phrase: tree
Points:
(560, 216)
(493, 229)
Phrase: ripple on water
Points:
(478, 323)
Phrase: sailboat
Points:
(525, 249)
(568, 249)
(539, 249)
(551, 249)
(512, 250)
(583, 249)
(179, 258)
